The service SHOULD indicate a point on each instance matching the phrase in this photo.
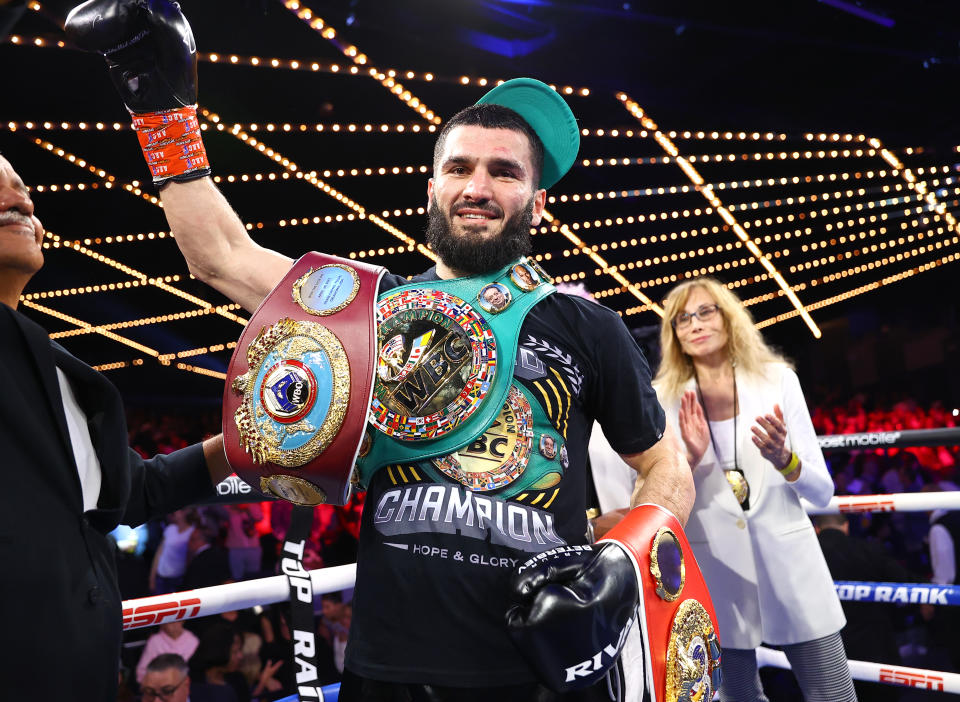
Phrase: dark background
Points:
(883, 70)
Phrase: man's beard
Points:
(471, 253)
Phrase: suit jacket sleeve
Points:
(814, 483)
(166, 483)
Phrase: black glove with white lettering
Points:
(574, 607)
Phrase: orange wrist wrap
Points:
(171, 144)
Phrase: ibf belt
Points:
(677, 619)
(445, 358)
(300, 380)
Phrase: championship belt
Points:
(300, 380)
(446, 351)
(677, 619)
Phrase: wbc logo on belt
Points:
(436, 361)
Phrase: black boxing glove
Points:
(148, 45)
(574, 606)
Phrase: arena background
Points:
(826, 131)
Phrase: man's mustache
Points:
(15, 217)
(488, 207)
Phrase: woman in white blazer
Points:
(754, 453)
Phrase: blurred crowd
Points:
(242, 655)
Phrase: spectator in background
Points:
(170, 560)
(166, 678)
(207, 564)
(870, 633)
(213, 668)
(278, 646)
(243, 540)
(170, 638)
(944, 541)
(341, 635)
(751, 445)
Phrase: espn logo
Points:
(149, 614)
(911, 678)
(874, 506)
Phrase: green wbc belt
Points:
(444, 365)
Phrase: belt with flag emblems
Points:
(443, 383)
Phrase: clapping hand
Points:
(770, 436)
(693, 428)
(267, 679)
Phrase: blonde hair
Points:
(745, 345)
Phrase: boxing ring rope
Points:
(893, 502)
(150, 611)
(179, 606)
(898, 675)
(206, 601)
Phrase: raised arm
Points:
(216, 245)
(152, 58)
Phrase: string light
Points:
(313, 66)
(57, 242)
(202, 371)
(86, 325)
(723, 158)
(318, 183)
(102, 287)
(887, 280)
(200, 351)
(916, 185)
(145, 321)
(708, 193)
(831, 220)
(377, 171)
(285, 127)
(596, 258)
(133, 188)
(387, 79)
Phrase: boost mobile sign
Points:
(872, 439)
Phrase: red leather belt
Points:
(300, 380)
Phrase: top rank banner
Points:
(897, 593)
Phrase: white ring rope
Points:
(179, 606)
(878, 672)
(894, 502)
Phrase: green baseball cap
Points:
(549, 116)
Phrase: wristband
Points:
(791, 466)
(171, 144)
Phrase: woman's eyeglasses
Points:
(703, 313)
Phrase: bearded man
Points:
(472, 561)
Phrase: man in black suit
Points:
(208, 564)
(69, 479)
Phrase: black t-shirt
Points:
(435, 559)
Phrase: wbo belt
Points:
(446, 351)
(300, 379)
